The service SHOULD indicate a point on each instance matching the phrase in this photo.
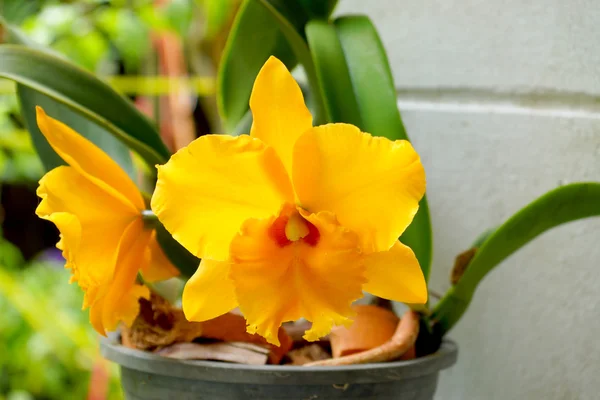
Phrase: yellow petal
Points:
(372, 185)
(91, 222)
(209, 293)
(156, 265)
(279, 114)
(64, 189)
(276, 283)
(121, 301)
(93, 293)
(96, 317)
(89, 160)
(70, 234)
(395, 275)
(117, 300)
(210, 187)
(128, 306)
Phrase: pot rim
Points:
(278, 374)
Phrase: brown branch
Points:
(403, 340)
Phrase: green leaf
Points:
(317, 9)
(419, 237)
(86, 95)
(252, 39)
(30, 98)
(357, 86)
(559, 206)
(256, 35)
(333, 76)
(480, 240)
(371, 77)
(185, 261)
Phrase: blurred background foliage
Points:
(46, 358)
(121, 41)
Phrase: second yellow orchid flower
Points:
(98, 211)
(292, 221)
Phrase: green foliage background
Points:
(47, 347)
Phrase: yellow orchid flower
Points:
(98, 211)
(292, 221)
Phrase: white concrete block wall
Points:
(501, 99)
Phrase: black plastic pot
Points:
(147, 376)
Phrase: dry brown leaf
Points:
(297, 329)
(372, 327)
(231, 327)
(159, 324)
(404, 338)
(307, 354)
(240, 353)
(461, 263)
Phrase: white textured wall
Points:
(502, 100)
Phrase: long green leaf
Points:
(419, 237)
(30, 98)
(252, 39)
(559, 206)
(99, 136)
(332, 73)
(255, 36)
(85, 94)
(357, 85)
(371, 77)
(317, 9)
(376, 95)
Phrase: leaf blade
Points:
(373, 88)
(84, 94)
(332, 73)
(28, 99)
(559, 206)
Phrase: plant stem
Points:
(150, 219)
